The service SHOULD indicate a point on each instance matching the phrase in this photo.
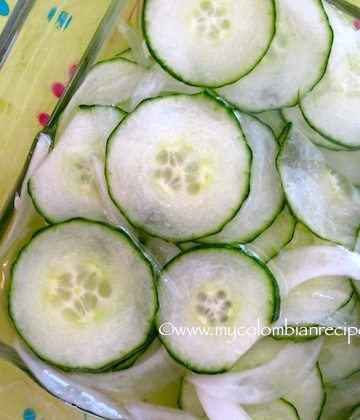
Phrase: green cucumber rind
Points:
(322, 402)
(262, 225)
(117, 364)
(189, 82)
(335, 141)
(30, 187)
(286, 239)
(194, 237)
(272, 282)
(270, 415)
(296, 98)
(282, 137)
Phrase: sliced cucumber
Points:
(340, 357)
(324, 200)
(275, 237)
(296, 266)
(82, 296)
(342, 398)
(316, 301)
(332, 107)
(345, 162)
(152, 372)
(110, 82)
(294, 115)
(207, 42)
(66, 184)
(274, 120)
(189, 401)
(295, 61)
(355, 413)
(273, 410)
(308, 397)
(205, 294)
(168, 175)
(161, 250)
(266, 197)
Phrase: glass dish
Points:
(40, 63)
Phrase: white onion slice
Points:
(221, 409)
(145, 411)
(62, 386)
(149, 375)
(23, 204)
(265, 382)
(296, 266)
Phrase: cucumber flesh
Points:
(275, 237)
(189, 400)
(308, 398)
(266, 198)
(345, 162)
(339, 358)
(109, 82)
(66, 184)
(77, 289)
(294, 62)
(168, 176)
(332, 107)
(315, 301)
(294, 115)
(324, 200)
(208, 43)
(273, 410)
(214, 298)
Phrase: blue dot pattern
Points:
(62, 19)
(4, 8)
(29, 414)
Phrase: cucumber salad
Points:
(197, 252)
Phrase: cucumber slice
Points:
(66, 185)
(339, 358)
(332, 107)
(110, 82)
(342, 398)
(345, 162)
(275, 237)
(78, 283)
(308, 398)
(173, 160)
(294, 63)
(161, 250)
(294, 115)
(274, 120)
(273, 410)
(266, 197)
(316, 302)
(324, 200)
(152, 372)
(355, 413)
(206, 42)
(203, 294)
(189, 401)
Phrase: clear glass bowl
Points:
(44, 55)
(45, 50)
